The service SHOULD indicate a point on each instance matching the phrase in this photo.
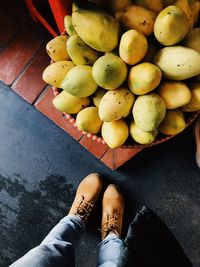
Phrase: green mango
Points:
(79, 52)
(109, 71)
(97, 29)
(69, 26)
(79, 82)
(149, 111)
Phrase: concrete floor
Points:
(41, 167)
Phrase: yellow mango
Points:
(79, 52)
(185, 6)
(156, 5)
(133, 47)
(171, 26)
(115, 5)
(195, 8)
(173, 123)
(55, 73)
(115, 133)
(143, 78)
(174, 94)
(97, 29)
(88, 120)
(149, 111)
(192, 40)
(138, 18)
(178, 62)
(141, 136)
(79, 82)
(69, 26)
(56, 48)
(97, 96)
(194, 104)
(109, 71)
(116, 104)
(69, 103)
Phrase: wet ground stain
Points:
(36, 213)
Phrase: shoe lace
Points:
(111, 224)
(84, 208)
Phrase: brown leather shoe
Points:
(86, 196)
(112, 213)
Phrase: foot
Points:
(112, 213)
(86, 196)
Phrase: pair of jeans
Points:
(57, 249)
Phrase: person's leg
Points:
(109, 251)
(57, 249)
(111, 226)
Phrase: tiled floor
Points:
(22, 61)
(41, 165)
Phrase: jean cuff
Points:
(76, 218)
(109, 237)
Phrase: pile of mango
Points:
(128, 68)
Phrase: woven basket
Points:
(160, 139)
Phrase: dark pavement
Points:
(41, 167)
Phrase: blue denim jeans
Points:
(57, 249)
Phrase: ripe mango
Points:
(79, 52)
(115, 5)
(192, 40)
(141, 136)
(97, 96)
(115, 133)
(69, 103)
(174, 94)
(185, 6)
(195, 8)
(88, 120)
(173, 123)
(133, 47)
(69, 26)
(171, 26)
(194, 104)
(109, 71)
(55, 73)
(56, 48)
(97, 29)
(156, 6)
(143, 78)
(116, 104)
(178, 62)
(79, 82)
(149, 111)
(137, 17)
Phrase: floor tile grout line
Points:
(26, 65)
(40, 95)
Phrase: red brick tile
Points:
(30, 84)
(114, 158)
(44, 105)
(97, 149)
(107, 158)
(20, 51)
